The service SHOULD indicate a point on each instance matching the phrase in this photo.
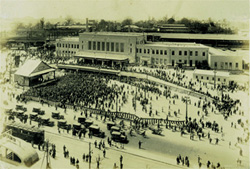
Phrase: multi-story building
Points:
(171, 54)
(112, 48)
(67, 47)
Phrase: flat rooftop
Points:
(75, 39)
(222, 52)
(210, 73)
(112, 33)
(201, 36)
(175, 44)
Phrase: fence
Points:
(120, 115)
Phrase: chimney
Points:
(87, 25)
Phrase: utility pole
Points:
(89, 155)
(187, 101)
(116, 102)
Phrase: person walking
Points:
(139, 143)
(104, 153)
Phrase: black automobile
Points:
(81, 120)
(96, 131)
(110, 124)
(63, 124)
(56, 115)
(119, 137)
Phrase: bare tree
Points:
(69, 21)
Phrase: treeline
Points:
(193, 25)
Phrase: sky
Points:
(120, 9)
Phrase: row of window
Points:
(70, 52)
(106, 46)
(164, 52)
(218, 79)
(76, 46)
(161, 61)
(222, 65)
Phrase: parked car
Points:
(81, 120)
(21, 107)
(33, 116)
(63, 124)
(47, 122)
(119, 137)
(56, 115)
(118, 129)
(88, 123)
(110, 124)
(96, 131)
(38, 111)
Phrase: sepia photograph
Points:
(124, 84)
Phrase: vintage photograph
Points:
(124, 84)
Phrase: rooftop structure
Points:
(174, 44)
(71, 39)
(201, 36)
(33, 68)
(113, 33)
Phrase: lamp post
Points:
(215, 78)
(187, 101)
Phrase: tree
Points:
(171, 21)
(102, 25)
(127, 21)
(68, 21)
(42, 23)
(48, 25)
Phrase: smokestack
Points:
(87, 25)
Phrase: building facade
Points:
(67, 47)
(210, 76)
(172, 54)
(117, 48)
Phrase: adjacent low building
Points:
(211, 76)
(225, 60)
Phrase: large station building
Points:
(113, 48)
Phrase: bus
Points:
(28, 133)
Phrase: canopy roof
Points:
(101, 56)
(34, 68)
(22, 149)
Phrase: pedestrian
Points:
(199, 159)
(121, 158)
(97, 164)
(104, 153)
(114, 166)
(217, 141)
(241, 152)
(178, 160)
(139, 143)
(83, 156)
(208, 164)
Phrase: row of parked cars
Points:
(37, 115)
(117, 134)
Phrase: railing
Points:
(120, 115)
